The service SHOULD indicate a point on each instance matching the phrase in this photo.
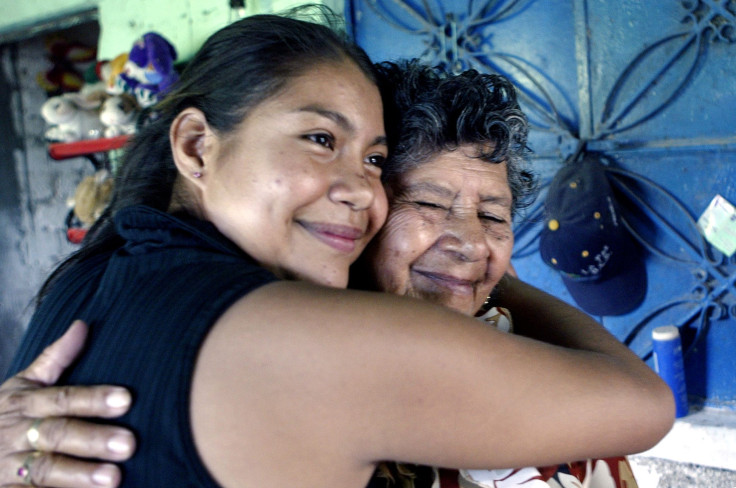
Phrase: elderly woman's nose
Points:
(465, 237)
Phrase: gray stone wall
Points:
(34, 190)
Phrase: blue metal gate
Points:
(651, 87)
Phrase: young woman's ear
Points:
(189, 136)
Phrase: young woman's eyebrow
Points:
(336, 117)
(342, 121)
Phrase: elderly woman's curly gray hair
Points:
(428, 111)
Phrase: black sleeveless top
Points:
(150, 305)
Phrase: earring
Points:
(197, 174)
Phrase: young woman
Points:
(217, 301)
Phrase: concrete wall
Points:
(186, 23)
(21, 14)
(33, 192)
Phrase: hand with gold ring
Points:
(42, 443)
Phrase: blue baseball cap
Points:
(585, 241)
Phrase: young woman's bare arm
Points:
(301, 382)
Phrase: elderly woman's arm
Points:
(32, 418)
(533, 311)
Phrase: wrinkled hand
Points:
(27, 397)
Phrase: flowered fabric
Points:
(592, 473)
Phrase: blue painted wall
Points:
(649, 85)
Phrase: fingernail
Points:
(118, 398)
(104, 475)
(119, 444)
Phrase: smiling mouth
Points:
(457, 286)
(342, 238)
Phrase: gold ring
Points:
(25, 470)
(32, 434)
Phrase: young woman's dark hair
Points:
(236, 69)
(428, 111)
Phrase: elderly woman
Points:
(456, 179)
(454, 183)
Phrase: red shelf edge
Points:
(65, 150)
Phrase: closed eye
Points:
(491, 218)
(430, 205)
